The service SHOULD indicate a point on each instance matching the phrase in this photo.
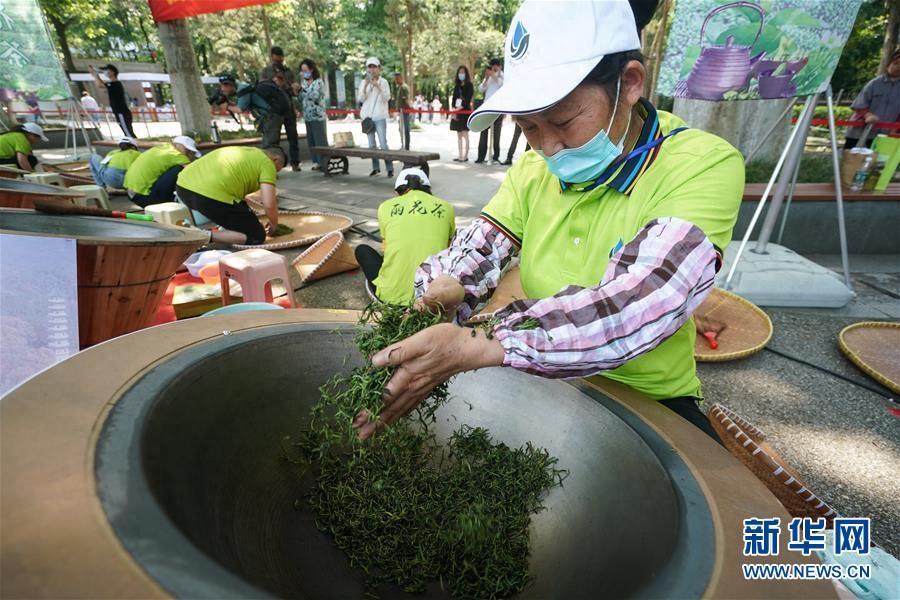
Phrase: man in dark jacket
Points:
(286, 83)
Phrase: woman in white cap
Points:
(414, 225)
(374, 95)
(619, 216)
(16, 146)
(109, 170)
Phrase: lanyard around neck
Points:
(633, 154)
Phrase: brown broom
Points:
(710, 329)
(58, 208)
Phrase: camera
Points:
(217, 98)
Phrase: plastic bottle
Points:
(216, 138)
(859, 179)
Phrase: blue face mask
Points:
(307, 74)
(588, 161)
(461, 76)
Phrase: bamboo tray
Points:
(874, 347)
(308, 226)
(747, 327)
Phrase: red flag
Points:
(169, 10)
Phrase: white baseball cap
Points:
(559, 42)
(188, 143)
(373, 61)
(35, 129)
(127, 140)
(402, 177)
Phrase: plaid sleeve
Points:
(475, 258)
(649, 290)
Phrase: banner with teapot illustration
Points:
(744, 50)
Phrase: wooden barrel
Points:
(11, 172)
(124, 266)
(22, 194)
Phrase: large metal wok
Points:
(166, 474)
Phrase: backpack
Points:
(277, 99)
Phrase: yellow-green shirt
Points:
(413, 226)
(122, 159)
(228, 174)
(568, 237)
(13, 142)
(148, 167)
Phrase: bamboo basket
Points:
(874, 347)
(22, 194)
(329, 256)
(746, 443)
(123, 267)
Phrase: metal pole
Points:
(793, 158)
(762, 201)
(787, 206)
(838, 192)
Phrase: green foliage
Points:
(815, 167)
(862, 53)
(406, 509)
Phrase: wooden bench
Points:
(824, 192)
(335, 159)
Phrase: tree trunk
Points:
(268, 36)
(741, 123)
(187, 89)
(61, 34)
(890, 32)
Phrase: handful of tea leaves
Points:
(407, 509)
(282, 229)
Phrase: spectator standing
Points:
(403, 106)
(414, 225)
(109, 171)
(461, 104)
(436, 107)
(374, 95)
(312, 98)
(91, 106)
(151, 177)
(33, 102)
(274, 68)
(493, 81)
(118, 101)
(266, 101)
(878, 101)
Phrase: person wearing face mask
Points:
(463, 90)
(312, 99)
(619, 217)
(492, 82)
(374, 94)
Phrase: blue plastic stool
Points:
(243, 307)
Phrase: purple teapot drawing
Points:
(721, 69)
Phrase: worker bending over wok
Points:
(619, 216)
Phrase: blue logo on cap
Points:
(518, 46)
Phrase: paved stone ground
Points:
(839, 436)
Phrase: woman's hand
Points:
(423, 361)
(444, 295)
